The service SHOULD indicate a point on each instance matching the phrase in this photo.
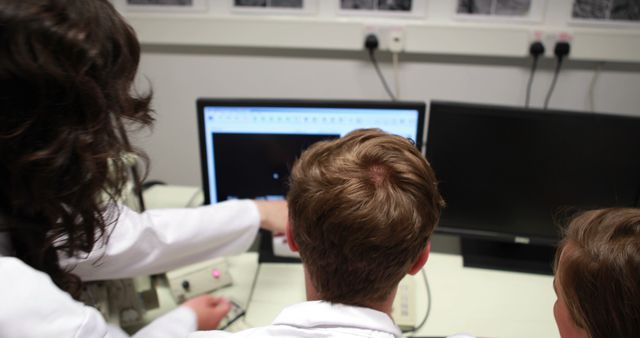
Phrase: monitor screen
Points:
(248, 146)
(512, 174)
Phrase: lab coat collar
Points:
(324, 314)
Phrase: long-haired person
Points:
(66, 97)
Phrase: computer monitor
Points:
(248, 146)
(512, 175)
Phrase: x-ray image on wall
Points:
(381, 5)
(495, 7)
(625, 10)
(161, 2)
(270, 3)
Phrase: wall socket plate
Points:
(549, 39)
(390, 38)
(396, 40)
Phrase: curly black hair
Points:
(66, 74)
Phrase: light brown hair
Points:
(600, 274)
(362, 209)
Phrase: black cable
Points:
(561, 50)
(535, 50)
(193, 197)
(553, 83)
(237, 317)
(371, 44)
(253, 286)
(245, 310)
(384, 82)
(533, 71)
(138, 187)
(426, 316)
(148, 184)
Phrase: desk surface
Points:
(485, 303)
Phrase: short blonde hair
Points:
(362, 209)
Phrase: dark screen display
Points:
(257, 166)
(518, 172)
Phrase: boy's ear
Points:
(290, 242)
(422, 259)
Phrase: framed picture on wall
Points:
(606, 12)
(291, 7)
(162, 5)
(500, 10)
(392, 8)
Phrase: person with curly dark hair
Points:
(66, 101)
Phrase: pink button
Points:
(215, 273)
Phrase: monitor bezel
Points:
(505, 110)
(302, 103)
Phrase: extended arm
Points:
(161, 240)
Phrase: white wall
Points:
(180, 74)
(178, 79)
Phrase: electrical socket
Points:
(550, 37)
(395, 41)
(391, 38)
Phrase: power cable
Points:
(561, 50)
(592, 86)
(535, 50)
(428, 312)
(396, 72)
(371, 44)
(426, 315)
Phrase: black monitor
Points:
(248, 146)
(511, 176)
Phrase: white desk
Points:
(486, 303)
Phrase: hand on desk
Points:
(209, 310)
(274, 215)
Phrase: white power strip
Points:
(197, 279)
(404, 305)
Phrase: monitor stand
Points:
(505, 256)
(265, 250)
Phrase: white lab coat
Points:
(319, 319)
(152, 242)
(315, 319)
